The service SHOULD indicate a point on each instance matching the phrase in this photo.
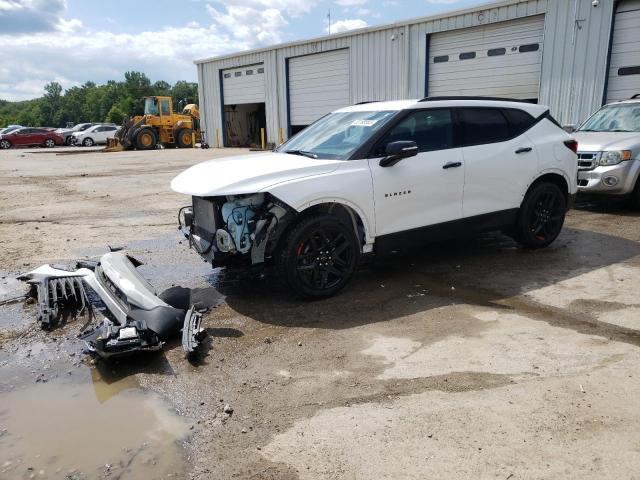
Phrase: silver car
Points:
(609, 151)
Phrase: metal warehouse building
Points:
(573, 55)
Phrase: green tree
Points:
(115, 115)
(50, 106)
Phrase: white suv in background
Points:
(94, 135)
(609, 154)
(373, 176)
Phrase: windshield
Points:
(337, 135)
(623, 117)
(150, 106)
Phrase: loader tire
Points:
(146, 139)
(183, 138)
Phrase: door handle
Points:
(452, 165)
(524, 150)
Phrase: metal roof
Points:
(411, 21)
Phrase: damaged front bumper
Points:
(136, 318)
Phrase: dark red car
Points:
(28, 136)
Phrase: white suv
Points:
(371, 176)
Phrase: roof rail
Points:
(497, 99)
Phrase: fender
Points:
(555, 171)
(369, 234)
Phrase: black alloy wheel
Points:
(319, 257)
(541, 216)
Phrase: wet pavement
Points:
(465, 359)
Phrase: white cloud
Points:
(350, 3)
(47, 45)
(347, 24)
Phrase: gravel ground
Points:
(467, 359)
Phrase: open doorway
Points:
(243, 123)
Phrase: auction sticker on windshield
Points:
(363, 123)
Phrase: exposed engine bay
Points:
(234, 229)
(135, 317)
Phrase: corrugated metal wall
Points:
(390, 63)
(574, 66)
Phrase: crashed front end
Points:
(135, 317)
(234, 230)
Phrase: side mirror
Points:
(569, 128)
(396, 151)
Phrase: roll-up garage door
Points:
(624, 71)
(318, 84)
(501, 59)
(243, 85)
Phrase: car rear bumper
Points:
(613, 180)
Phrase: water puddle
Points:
(89, 431)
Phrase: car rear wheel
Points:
(4, 144)
(49, 143)
(319, 257)
(184, 138)
(541, 216)
(88, 142)
(146, 139)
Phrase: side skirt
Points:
(502, 220)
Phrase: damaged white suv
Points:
(371, 176)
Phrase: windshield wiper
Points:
(302, 153)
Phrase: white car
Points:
(95, 135)
(609, 155)
(370, 177)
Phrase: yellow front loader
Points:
(159, 125)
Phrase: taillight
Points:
(572, 145)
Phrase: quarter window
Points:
(519, 121)
(430, 129)
(483, 125)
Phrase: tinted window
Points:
(238, 74)
(483, 125)
(249, 72)
(261, 70)
(531, 47)
(164, 107)
(629, 71)
(227, 75)
(441, 59)
(430, 129)
(467, 55)
(38, 130)
(519, 121)
(496, 51)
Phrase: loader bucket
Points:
(113, 145)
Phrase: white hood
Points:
(244, 174)
(600, 141)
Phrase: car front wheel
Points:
(541, 216)
(4, 144)
(319, 257)
(88, 142)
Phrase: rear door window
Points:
(483, 125)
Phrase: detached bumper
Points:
(613, 180)
(136, 319)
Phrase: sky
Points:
(74, 41)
